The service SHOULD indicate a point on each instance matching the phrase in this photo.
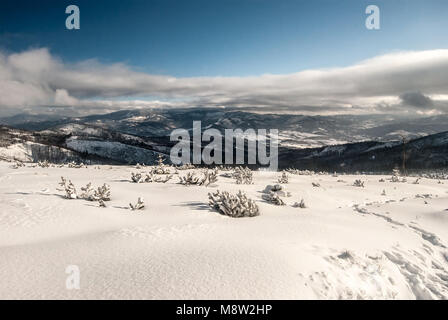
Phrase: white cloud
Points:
(36, 78)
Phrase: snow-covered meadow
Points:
(383, 240)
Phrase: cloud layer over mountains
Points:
(401, 81)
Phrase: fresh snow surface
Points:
(349, 243)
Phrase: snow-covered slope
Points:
(350, 242)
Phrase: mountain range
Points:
(337, 143)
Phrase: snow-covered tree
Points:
(69, 188)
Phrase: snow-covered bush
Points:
(383, 193)
(138, 206)
(69, 188)
(190, 179)
(102, 193)
(75, 165)
(417, 181)
(283, 178)
(161, 168)
(235, 206)
(18, 164)
(187, 166)
(137, 177)
(274, 198)
(358, 183)
(88, 192)
(300, 204)
(43, 164)
(208, 177)
(243, 175)
(315, 184)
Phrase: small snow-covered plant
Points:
(189, 179)
(395, 175)
(75, 165)
(102, 193)
(69, 188)
(137, 177)
(358, 183)
(243, 175)
(381, 180)
(235, 206)
(138, 206)
(274, 198)
(210, 176)
(88, 192)
(162, 179)
(161, 168)
(315, 184)
(417, 181)
(18, 164)
(43, 164)
(101, 203)
(300, 204)
(283, 178)
(186, 166)
(383, 193)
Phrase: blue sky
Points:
(310, 56)
(223, 37)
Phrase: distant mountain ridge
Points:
(296, 131)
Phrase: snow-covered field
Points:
(350, 242)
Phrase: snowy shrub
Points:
(358, 183)
(187, 166)
(274, 198)
(189, 179)
(101, 203)
(102, 193)
(243, 175)
(283, 178)
(235, 206)
(69, 188)
(88, 192)
(43, 164)
(300, 204)
(137, 177)
(417, 181)
(138, 206)
(161, 168)
(208, 177)
(161, 179)
(18, 164)
(382, 180)
(383, 193)
(75, 165)
(315, 184)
